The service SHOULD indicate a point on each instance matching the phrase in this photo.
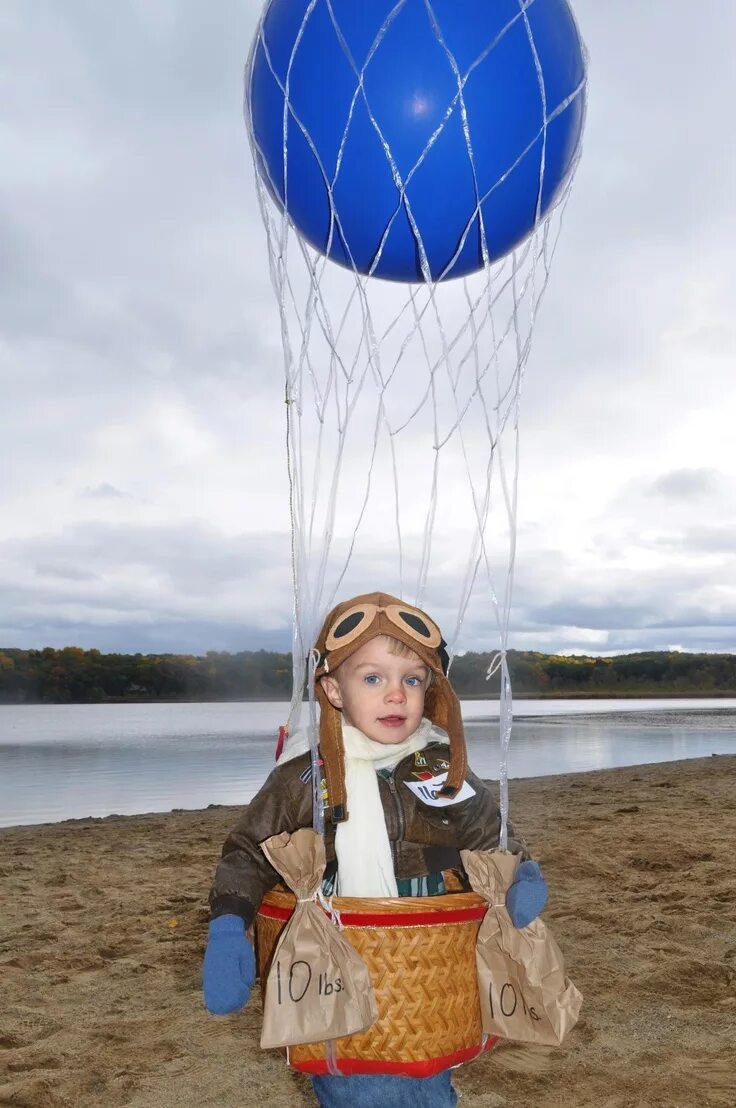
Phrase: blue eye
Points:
(371, 679)
(414, 681)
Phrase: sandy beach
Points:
(103, 925)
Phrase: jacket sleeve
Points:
(244, 875)
(482, 831)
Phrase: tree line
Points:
(75, 676)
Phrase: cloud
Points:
(105, 491)
(106, 584)
(686, 484)
(101, 582)
(173, 637)
(704, 540)
(64, 572)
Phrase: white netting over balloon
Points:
(403, 396)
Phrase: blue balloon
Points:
(395, 151)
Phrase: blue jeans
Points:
(385, 1091)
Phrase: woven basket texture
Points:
(424, 977)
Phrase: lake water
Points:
(69, 761)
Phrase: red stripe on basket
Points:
(427, 1068)
(388, 919)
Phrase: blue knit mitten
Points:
(527, 896)
(229, 968)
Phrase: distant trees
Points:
(647, 673)
(76, 676)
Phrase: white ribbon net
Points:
(402, 430)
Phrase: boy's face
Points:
(380, 693)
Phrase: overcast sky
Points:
(143, 495)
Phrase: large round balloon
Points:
(412, 131)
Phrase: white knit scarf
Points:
(364, 862)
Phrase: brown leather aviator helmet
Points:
(348, 627)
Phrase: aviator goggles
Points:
(351, 624)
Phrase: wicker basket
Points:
(420, 952)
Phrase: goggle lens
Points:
(415, 624)
(345, 626)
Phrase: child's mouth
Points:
(392, 721)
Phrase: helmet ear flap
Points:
(333, 755)
(442, 707)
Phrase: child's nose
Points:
(396, 693)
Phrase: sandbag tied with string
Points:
(318, 986)
(524, 993)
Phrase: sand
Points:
(103, 925)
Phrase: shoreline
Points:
(81, 821)
(699, 694)
(105, 920)
(72, 821)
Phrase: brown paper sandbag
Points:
(524, 994)
(318, 986)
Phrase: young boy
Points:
(392, 745)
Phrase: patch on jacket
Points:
(306, 775)
(440, 765)
(422, 774)
(428, 764)
(426, 791)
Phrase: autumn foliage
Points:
(73, 675)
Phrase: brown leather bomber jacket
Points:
(424, 838)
